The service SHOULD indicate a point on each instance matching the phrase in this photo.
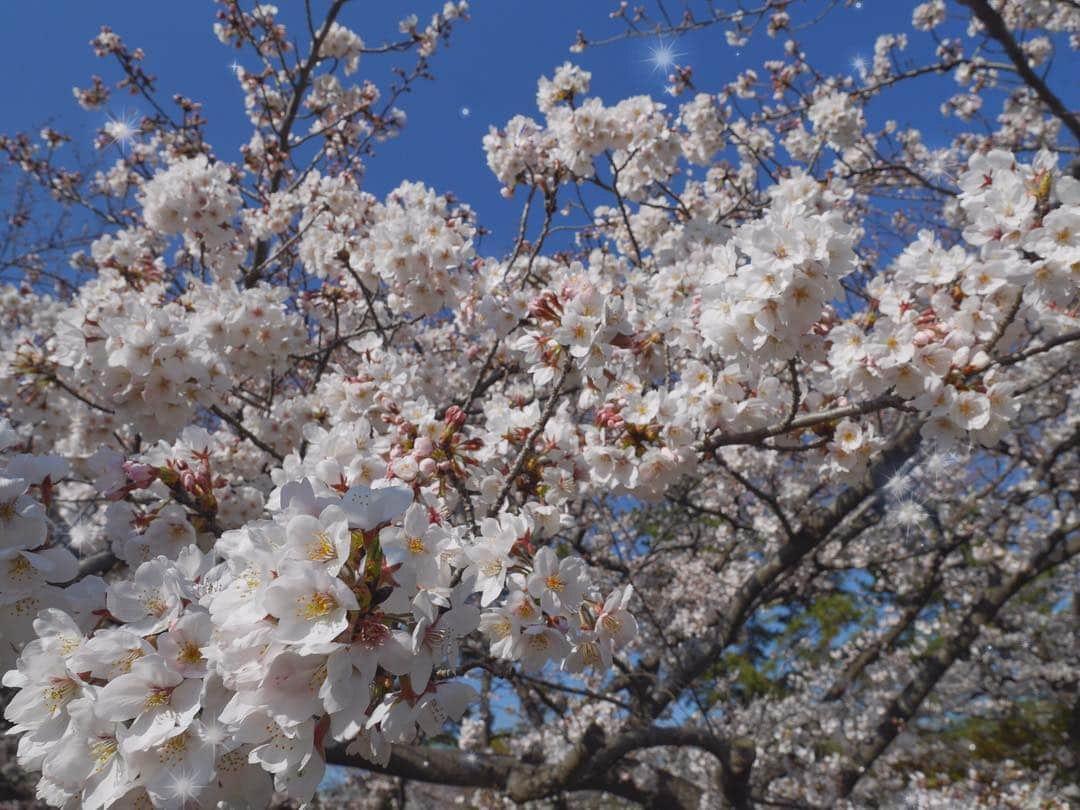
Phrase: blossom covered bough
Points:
(758, 488)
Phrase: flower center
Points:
(28, 605)
(19, 567)
(174, 749)
(57, 693)
(435, 638)
(232, 762)
(103, 750)
(159, 696)
(251, 580)
(124, 662)
(190, 653)
(319, 605)
(321, 548)
(155, 604)
(590, 652)
(371, 634)
(526, 609)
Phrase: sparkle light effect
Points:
(938, 164)
(464, 112)
(910, 487)
(184, 785)
(859, 66)
(663, 55)
(122, 129)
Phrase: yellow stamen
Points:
(321, 548)
(102, 751)
(19, 567)
(190, 653)
(155, 605)
(57, 693)
(318, 606)
(159, 696)
(174, 749)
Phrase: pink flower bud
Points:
(455, 416)
(923, 338)
(142, 475)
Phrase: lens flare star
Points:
(908, 490)
(663, 55)
(859, 66)
(122, 129)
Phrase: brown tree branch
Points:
(243, 432)
(1058, 548)
(997, 29)
(698, 657)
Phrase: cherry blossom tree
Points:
(747, 477)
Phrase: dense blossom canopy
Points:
(747, 477)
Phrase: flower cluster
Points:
(341, 43)
(31, 563)
(418, 246)
(644, 148)
(193, 197)
(931, 343)
(329, 622)
(838, 119)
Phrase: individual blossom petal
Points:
(559, 584)
(309, 604)
(22, 519)
(367, 508)
(182, 646)
(325, 540)
(539, 644)
(615, 623)
(159, 699)
(490, 558)
(148, 602)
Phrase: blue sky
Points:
(491, 69)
